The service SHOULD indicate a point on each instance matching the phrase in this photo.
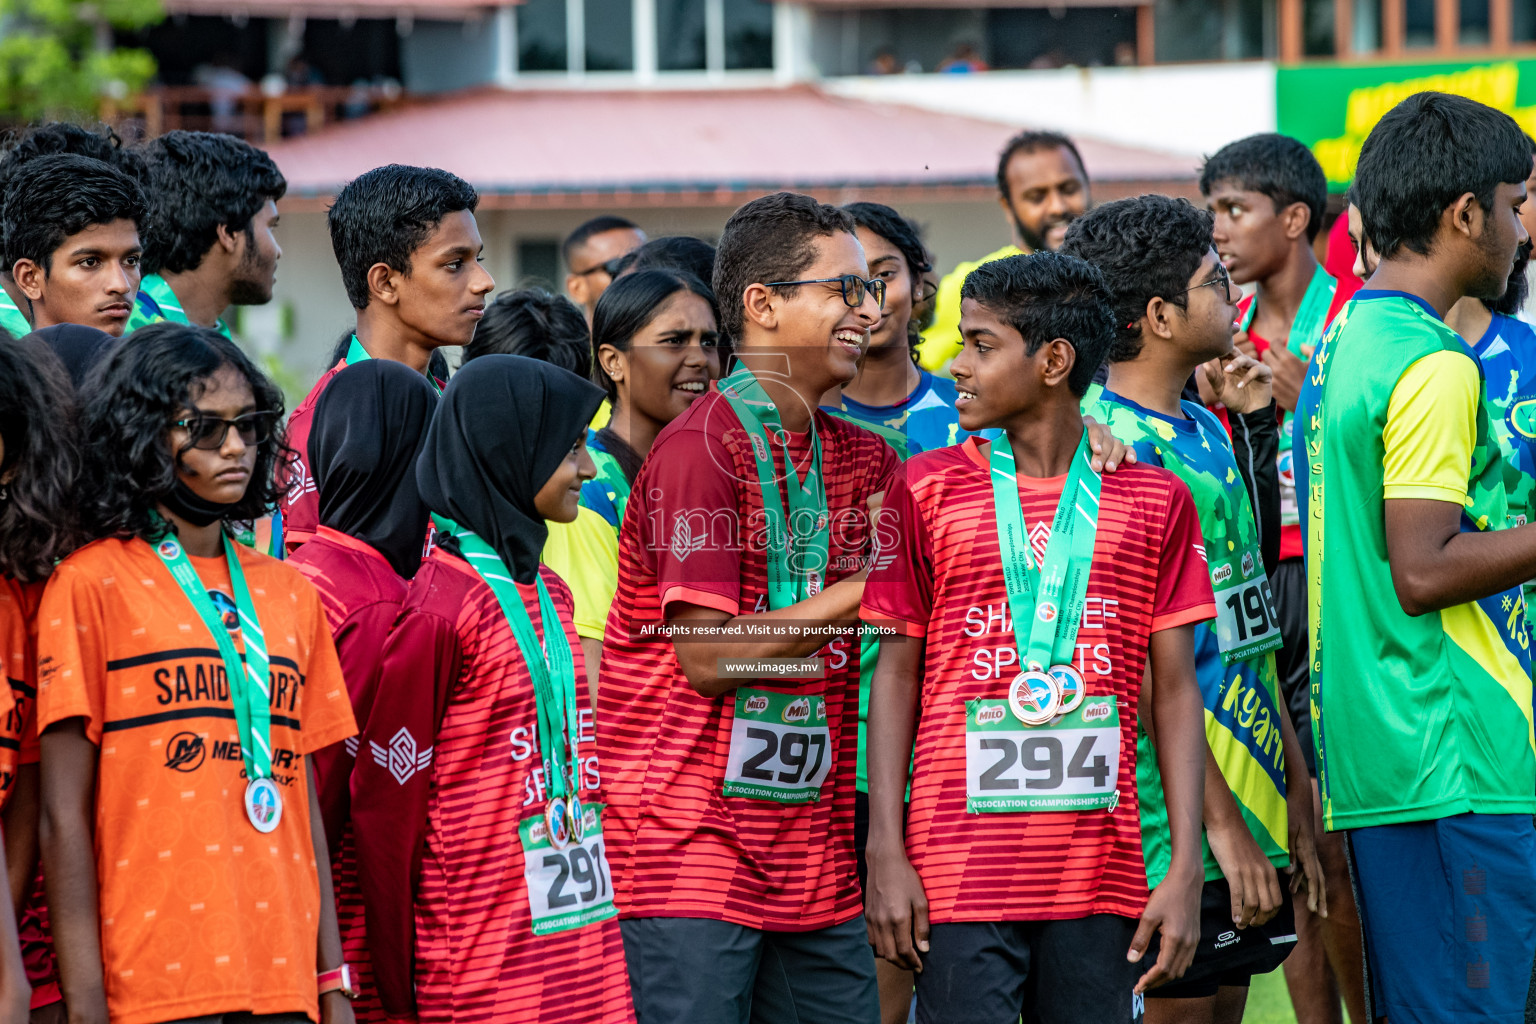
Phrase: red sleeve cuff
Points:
(1183, 617)
(881, 620)
(702, 598)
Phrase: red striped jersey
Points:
(301, 502)
(476, 955)
(694, 533)
(361, 596)
(941, 579)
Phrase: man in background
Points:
(1042, 187)
(592, 253)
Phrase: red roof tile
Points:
(581, 144)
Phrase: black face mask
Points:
(369, 426)
(196, 510)
(504, 426)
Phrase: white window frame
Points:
(645, 47)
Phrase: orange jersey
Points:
(18, 645)
(200, 913)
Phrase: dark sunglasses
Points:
(611, 267)
(853, 287)
(208, 432)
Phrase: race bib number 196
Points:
(781, 748)
(1246, 622)
(1073, 764)
(568, 888)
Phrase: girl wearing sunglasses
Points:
(183, 683)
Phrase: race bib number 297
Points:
(780, 747)
(1072, 764)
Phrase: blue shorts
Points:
(1448, 908)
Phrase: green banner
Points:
(1332, 109)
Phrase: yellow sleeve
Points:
(1431, 428)
(941, 341)
(599, 421)
(586, 555)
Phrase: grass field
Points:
(1268, 1002)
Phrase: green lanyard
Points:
(249, 686)
(612, 477)
(549, 665)
(1052, 619)
(357, 354)
(797, 550)
(1307, 326)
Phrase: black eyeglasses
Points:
(853, 287)
(611, 267)
(208, 432)
(1222, 278)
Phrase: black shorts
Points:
(1293, 660)
(1227, 957)
(685, 970)
(1050, 972)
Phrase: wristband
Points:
(338, 980)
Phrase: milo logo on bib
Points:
(754, 705)
(989, 714)
(797, 711)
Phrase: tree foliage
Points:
(57, 57)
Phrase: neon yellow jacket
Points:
(941, 341)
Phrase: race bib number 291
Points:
(781, 748)
(569, 888)
(1072, 764)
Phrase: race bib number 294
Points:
(780, 747)
(1072, 764)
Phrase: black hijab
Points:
(78, 347)
(369, 426)
(503, 428)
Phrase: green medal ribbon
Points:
(1307, 327)
(1045, 627)
(797, 551)
(549, 664)
(249, 685)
